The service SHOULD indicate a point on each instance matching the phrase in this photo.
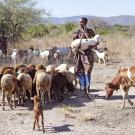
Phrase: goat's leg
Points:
(34, 123)
(37, 118)
(38, 93)
(99, 60)
(75, 82)
(3, 99)
(104, 62)
(129, 100)
(14, 100)
(43, 128)
(22, 98)
(9, 101)
(42, 98)
(49, 96)
(124, 98)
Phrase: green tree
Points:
(17, 15)
(68, 27)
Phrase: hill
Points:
(121, 20)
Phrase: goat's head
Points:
(14, 50)
(110, 88)
(36, 99)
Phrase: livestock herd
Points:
(23, 81)
(47, 56)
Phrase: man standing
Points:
(84, 61)
(3, 43)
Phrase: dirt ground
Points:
(78, 115)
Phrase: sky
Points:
(104, 8)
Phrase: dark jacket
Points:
(84, 62)
(87, 33)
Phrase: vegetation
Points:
(17, 15)
(21, 20)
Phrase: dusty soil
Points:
(78, 115)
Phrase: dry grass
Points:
(86, 117)
(118, 45)
(68, 111)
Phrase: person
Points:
(84, 61)
(3, 43)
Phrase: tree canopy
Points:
(17, 15)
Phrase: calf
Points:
(38, 111)
(124, 79)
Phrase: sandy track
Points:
(78, 115)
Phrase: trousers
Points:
(85, 80)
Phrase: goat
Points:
(61, 68)
(59, 83)
(102, 56)
(124, 79)
(16, 67)
(44, 56)
(85, 43)
(61, 53)
(38, 111)
(8, 86)
(25, 82)
(14, 56)
(43, 84)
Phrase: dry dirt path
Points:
(78, 115)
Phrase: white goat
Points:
(102, 56)
(14, 56)
(85, 43)
(62, 68)
(44, 56)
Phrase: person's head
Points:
(83, 21)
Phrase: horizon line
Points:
(87, 15)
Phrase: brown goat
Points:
(8, 71)
(2, 69)
(40, 67)
(16, 67)
(38, 111)
(124, 79)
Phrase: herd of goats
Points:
(48, 56)
(25, 80)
